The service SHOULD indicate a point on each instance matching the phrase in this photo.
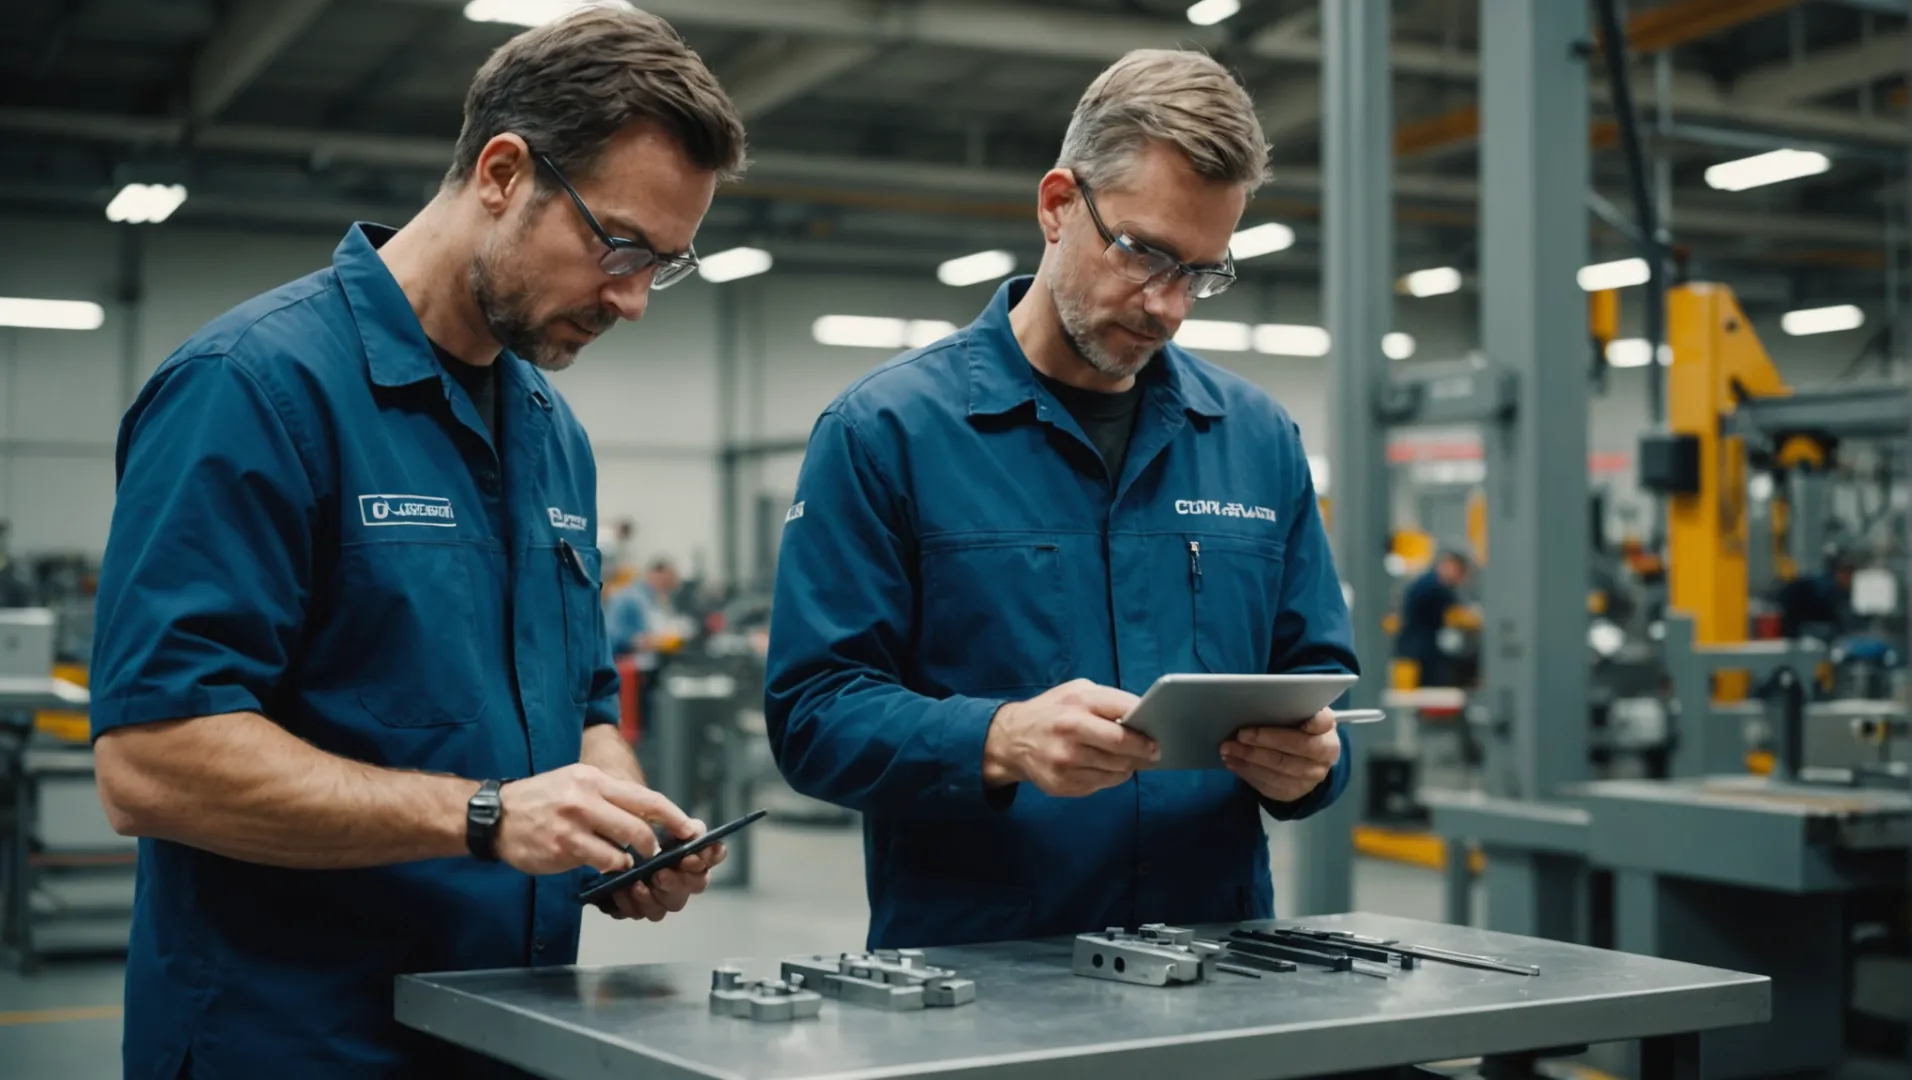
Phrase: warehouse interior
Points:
(1624, 318)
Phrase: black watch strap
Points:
(482, 814)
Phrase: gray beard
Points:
(1072, 319)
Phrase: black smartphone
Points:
(672, 852)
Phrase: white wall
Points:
(653, 395)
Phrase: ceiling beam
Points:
(770, 169)
(778, 71)
(249, 39)
(1674, 24)
(1825, 71)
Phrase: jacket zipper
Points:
(1195, 564)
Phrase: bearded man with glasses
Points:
(352, 688)
(1000, 539)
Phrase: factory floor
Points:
(808, 896)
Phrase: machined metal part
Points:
(1424, 952)
(893, 979)
(1262, 963)
(1155, 955)
(1308, 954)
(761, 999)
(1237, 969)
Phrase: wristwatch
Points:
(482, 814)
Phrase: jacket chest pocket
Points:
(1234, 590)
(416, 630)
(580, 588)
(993, 614)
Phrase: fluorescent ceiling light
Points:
(1628, 352)
(526, 12)
(921, 332)
(50, 314)
(1209, 334)
(1210, 12)
(738, 262)
(1613, 275)
(144, 204)
(1434, 281)
(1261, 240)
(1825, 320)
(1769, 168)
(859, 331)
(1279, 339)
(975, 269)
(1398, 346)
(877, 332)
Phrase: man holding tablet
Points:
(1001, 539)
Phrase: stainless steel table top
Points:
(1032, 1018)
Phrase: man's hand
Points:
(670, 890)
(1066, 741)
(582, 816)
(1285, 764)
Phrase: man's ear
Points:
(504, 167)
(1053, 195)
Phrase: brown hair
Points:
(568, 86)
(1180, 97)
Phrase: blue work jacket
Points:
(957, 543)
(314, 524)
(1423, 613)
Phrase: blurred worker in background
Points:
(1424, 613)
(364, 734)
(644, 623)
(1817, 605)
(1000, 539)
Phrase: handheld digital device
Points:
(1190, 716)
(671, 851)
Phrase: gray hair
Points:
(1180, 97)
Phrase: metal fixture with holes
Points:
(761, 999)
(1155, 955)
(894, 979)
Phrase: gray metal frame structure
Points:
(1357, 94)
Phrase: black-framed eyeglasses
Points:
(626, 257)
(1142, 263)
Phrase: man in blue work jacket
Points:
(1000, 538)
(352, 688)
(1423, 615)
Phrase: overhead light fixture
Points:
(1213, 335)
(50, 314)
(1281, 339)
(1825, 320)
(734, 263)
(145, 204)
(1635, 352)
(1261, 240)
(975, 269)
(1614, 275)
(529, 12)
(1772, 167)
(920, 332)
(877, 332)
(1397, 346)
(1434, 281)
(1210, 12)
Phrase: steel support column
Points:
(1357, 288)
(1534, 177)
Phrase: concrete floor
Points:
(808, 896)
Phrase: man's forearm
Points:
(240, 785)
(605, 748)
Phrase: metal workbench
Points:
(1033, 1018)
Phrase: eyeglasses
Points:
(1141, 263)
(627, 257)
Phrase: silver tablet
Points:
(1190, 716)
